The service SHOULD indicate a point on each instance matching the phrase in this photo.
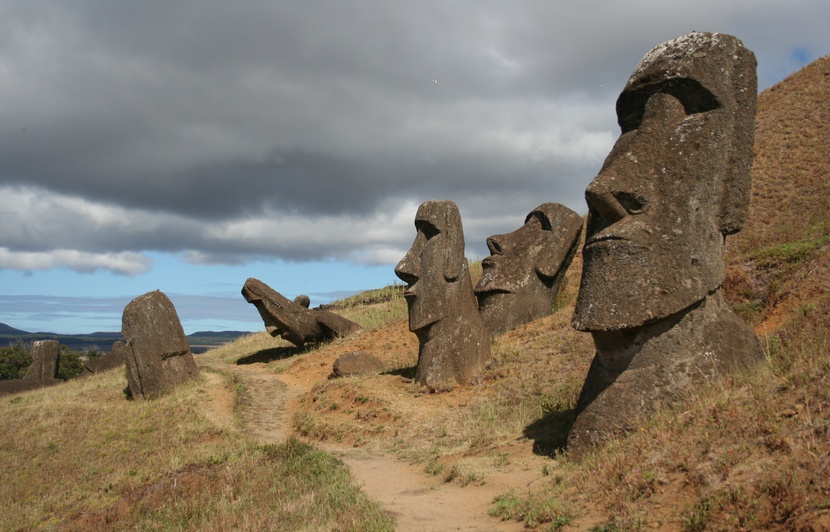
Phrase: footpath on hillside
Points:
(417, 500)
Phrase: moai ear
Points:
(564, 227)
(454, 261)
(735, 188)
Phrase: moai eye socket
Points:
(632, 203)
(429, 231)
(631, 104)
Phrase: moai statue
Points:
(675, 184)
(157, 354)
(524, 271)
(46, 356)
(454, 344)
(292, 320)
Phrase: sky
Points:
(186, 146)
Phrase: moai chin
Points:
(454, 345)
(675, 184)
(525, 269)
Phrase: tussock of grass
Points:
(534, 510)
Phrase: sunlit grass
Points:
(80, 456)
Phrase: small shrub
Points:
(69, 365)
(14, 360)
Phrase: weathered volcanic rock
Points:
(443, 313)
(357, 363)
(45, 360)
(525, 269)
(156, 353)
(292, 320)
(673, 187)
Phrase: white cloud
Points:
(124, 263)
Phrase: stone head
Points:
(521, 275)
(674, 185)
(433, 267)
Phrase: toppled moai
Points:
(454, 344)
(675, 184)
(524, 271)
(156, 352)
(292, 320)
(45, 360)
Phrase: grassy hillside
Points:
(749, 452)
(80, 457)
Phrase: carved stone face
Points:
(433, 265)
(675, 183)
(519, 278)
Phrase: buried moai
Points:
(524, 271)
(156, 353)
(674, 185)
(45, 360)
(292, 320)
(454, 344)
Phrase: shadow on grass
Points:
(550, 433)
(269, 355)
(407, 373)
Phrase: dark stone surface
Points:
(45, 359)
(357, 363)
(293, 321)
(156, 352)
(105, 362)
(443, 313)
(675, 184)
(303, 300)
(524, 271)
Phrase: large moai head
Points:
(435, 267)
(454, 346)
(524, 271)
(675, 184)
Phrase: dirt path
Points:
(417, 501)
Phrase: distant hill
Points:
(7, 329)
(102, 341)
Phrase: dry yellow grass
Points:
(80, 457)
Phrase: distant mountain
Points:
(209, 334)
(8, 329)
(102, 341)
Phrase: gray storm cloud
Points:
(312, 130)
